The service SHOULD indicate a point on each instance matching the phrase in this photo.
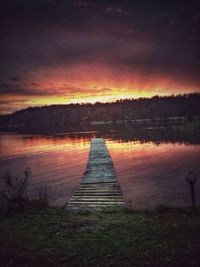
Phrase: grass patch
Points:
(55, 237)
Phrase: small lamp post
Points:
(191, 179)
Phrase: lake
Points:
(151, 165)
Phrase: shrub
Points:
(14, 193)
(41, 197)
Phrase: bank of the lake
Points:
(55, 237)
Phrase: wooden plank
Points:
(99, 167)
(99, 187)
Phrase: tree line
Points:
(65, 117)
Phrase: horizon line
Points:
(101, 102)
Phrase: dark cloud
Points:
(32, 90)
(14, 88)
(22, 91)
(116, 10)
(150, 37)
(68, 33)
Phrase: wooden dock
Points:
(99, 187)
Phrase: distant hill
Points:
(65, 117)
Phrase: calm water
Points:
(151, 167)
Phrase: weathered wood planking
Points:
(99, 186)
(100, 168)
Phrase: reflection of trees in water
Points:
(59, 138)
(166, 135)
(178, 134)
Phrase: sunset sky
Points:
(62, 51)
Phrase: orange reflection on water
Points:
(150, 173)
(151, 153)
(57, 161)
(15, 145)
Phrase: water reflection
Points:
(152, 174)
(150, 166)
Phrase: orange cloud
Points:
(86, 83)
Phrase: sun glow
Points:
(60, 89)
(87, 98)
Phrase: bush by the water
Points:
(14, 194)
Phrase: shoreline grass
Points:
(56, 237)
